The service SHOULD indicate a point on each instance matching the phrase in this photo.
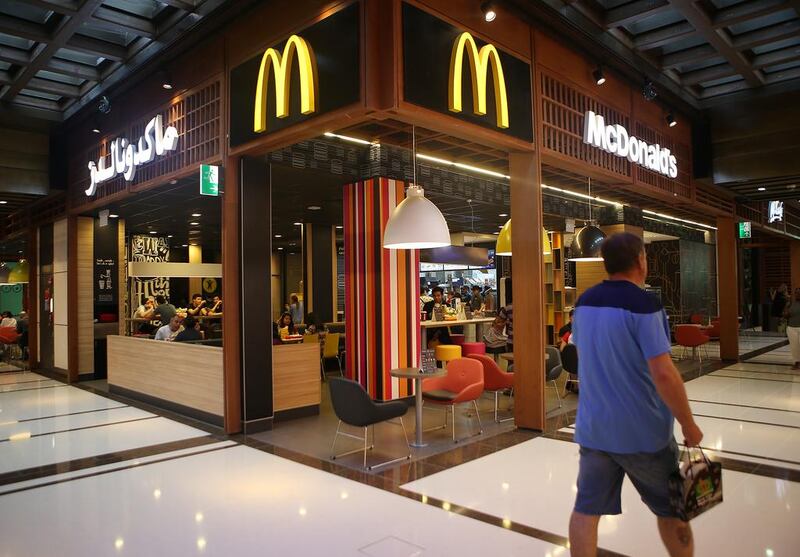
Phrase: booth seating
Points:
(473, 348)
(353, 406)
(457, 339)
(463, 383)
(691, 336)
(553, 369)
(495, 380)
(446, 353)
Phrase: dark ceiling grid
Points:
(60, 54)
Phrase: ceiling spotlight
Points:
(95, 129)
(599, 78)
(185, 245)
(153, 232)
(169, 235)
(671, 120)
(339, 227)
(113, 216)
(3, 202)
(197, 215)
(489, 13)
(280, 249)
(279, 235)
(762, 188)
(166, 80)
(313, 207)
(105, 105)
(649, 91)
(503, 215)
(194, 223)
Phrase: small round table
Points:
(417, 375)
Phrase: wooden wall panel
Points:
(185, 374)
(85, 294)
(295, 376)
(587, 274)
(122, 279)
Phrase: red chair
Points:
(691, 336)
(463, 383)
(713, 330)
(697, 318)
(473, 348)
(495, 380)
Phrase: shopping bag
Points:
(696, 486)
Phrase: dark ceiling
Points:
(703, 49)
(57, 55)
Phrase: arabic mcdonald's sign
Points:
(314, 71)
(492, 90)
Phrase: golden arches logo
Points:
(480, 60)
(296, 48)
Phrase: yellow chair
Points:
(330, 349)
(447, 352)
(311, 339)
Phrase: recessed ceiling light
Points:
(313, 207)
(3, 202)
(339, 227)
(185, 245)
(503, 215)
(95, 130)
(197, 215)
(292, 244)
(278, 235)
(280, 249)
(169, 235)
(762, 188)
(194, 223)
(173, 182)
(299, 223)
(153, 232)
(496, 233)
(113, 216)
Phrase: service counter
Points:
(182, 377)
(296, 381)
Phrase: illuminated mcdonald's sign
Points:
(480, 60)
(296, 49)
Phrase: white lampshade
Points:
(416, 223)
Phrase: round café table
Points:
(417, 375)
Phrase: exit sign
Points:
(745, 229)
(209, 179)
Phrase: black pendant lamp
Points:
(586, 242)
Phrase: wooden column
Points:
(122, 280)
(85, 295)
(528, 279)
(195, 284)
(231, 330)
(72, 301)
(728, 289)
(794, 264)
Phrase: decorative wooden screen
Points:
(713, 200)
(197, 116)
(679, 187)
(563, 112)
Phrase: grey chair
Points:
(353, 406)
(569, 361)
(553, 369)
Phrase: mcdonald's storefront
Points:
(329, 111)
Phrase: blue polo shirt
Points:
(617, 327)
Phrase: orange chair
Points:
(495, 380)
(463, 383)
(691, 336)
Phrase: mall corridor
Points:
(110, 479)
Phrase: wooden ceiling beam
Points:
(779, 56)
(766, 35)
(708, 74)
(632, 11)
(97, 47)
(719, 39)
(694, 54)
(663, 35)
(745, 11)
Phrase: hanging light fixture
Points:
(503, 246)
(586, 243)
(4, 272)
(416, 223)
(20, 272)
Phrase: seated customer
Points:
(191, 330)
(216, 306)
(8, 320)
(436, 335)
(476, 302)
(164, 311)
(170, 330)
(147, 310)
(494, 338)
(285, 325)
(197, 307)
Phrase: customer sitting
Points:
(476, 302)
(164, 311)
(494, 338)
(436, 335)
(190, 332)
(170, 330)
(285, 325)
(8, 320)
(197, 307)
(216, 306)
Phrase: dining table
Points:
(478, 322)
(417, 375)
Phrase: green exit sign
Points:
(745, 229)
(209, 179)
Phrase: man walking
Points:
(630, 391)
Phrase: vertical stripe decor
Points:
(381, 292)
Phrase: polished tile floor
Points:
(107, 478)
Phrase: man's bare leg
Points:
(583, 534)
(677, 536)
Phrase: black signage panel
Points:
(106, 259)
(427, 49)
(333, 44)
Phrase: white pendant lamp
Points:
(416, 223)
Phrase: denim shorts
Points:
(600, 479)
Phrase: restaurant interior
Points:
(14, 296)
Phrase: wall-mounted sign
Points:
(775, 211)
(435, 76)
(746, 229)
(616, 140)
(310, 73)
(127, 156)
(209, 179)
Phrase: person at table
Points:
(476, 302)
(296, 310)
(197, 307)
(191, 330)
(436, 335)
(507, 313)
(489, 300)
(216, 306)
(170, 330)
(285, 325)
(465, 295)
(8, 320)
(146, 310)
(565, 332)
(494, 338)
(164, 310)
